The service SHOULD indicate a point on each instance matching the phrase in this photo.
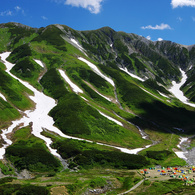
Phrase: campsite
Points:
(186, 174)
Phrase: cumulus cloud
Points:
(182, 3)
(157, 27)
(148, 37)
(94, 6)
(17, 8)
(159, 39)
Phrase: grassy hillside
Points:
(29, 152)
(14, 91)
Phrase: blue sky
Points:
(172, 20)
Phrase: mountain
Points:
(88, 100)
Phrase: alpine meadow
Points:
(94, 112)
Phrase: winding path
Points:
(133, 188)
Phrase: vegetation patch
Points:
(14, 91)
(31, 153)
(53, 84)
(23, 189)
(87, 155)
(90, 124)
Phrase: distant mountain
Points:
(60, 86)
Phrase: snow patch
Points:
(150, 93)
(84, 98)
(74, 87)
(39, 62)
(175, 90)
(110, 118)
(97, 71)
(103, 96)
(3, 97)
(181, 154)
(9, 66)
(132, 75)
(162, 94)
(77, 44)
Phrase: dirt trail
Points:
(133, 188)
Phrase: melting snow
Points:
(40, 119)
(110, 118)
(39, 62)
(75, 88)
(3, 97)
(77, 44)
(97, 71)
(102, 95)
(181, 154)
(132, 75)
(175, 89)
(39, 116)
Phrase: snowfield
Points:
(132, 75)
(175, 90)
(110, 118)
(74, 87)
(39, 62)
(3, 97)
(182, 154)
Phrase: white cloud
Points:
(159, 39)
(94, 6)
(181, 3)
(157, 27)
(193, 18)
(148, 37)
(17, 8)
(6, 13)
(44, 18)
(12, 12)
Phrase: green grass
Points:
(52, 35)
(172, 186)
(165, 144)
(14, 91)
(5, 38)
(87, 155)
(6, 168)
(27, 69)
(23, 189)
(7, 113)
(90, 124)
(53, 84)
(148, 107)
(19, 53)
